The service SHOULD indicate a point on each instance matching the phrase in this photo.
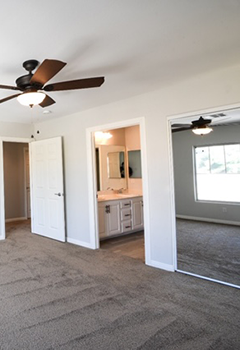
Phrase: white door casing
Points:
(27, 183)
(47, 196)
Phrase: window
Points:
(218, 173)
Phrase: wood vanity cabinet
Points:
(120, 216)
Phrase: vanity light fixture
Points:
(99, 135)
(31, 98)
(202, 130)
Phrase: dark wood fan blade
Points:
(180, 125)
(8, 87)
(48, 101)
(9, 98)
(46, 71)
(75, 84)
(182, 129)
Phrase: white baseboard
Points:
(160, 265)
(16, 219)
(80, 243)
(216, 221)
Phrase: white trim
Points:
(93, 222)
(16, 219)
(77, 242)
(146, 214)
(16, 139)
(204, 111)
(217, 221)
(159, 265)
(2, 197)
(209, 279)
(25, 149)
(92, 190)
(172, 196)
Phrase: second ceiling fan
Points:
(32, 86)
(200, 126)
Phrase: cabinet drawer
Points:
(125, 204)
(126, 214)
(126, 226)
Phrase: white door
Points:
(47, 201)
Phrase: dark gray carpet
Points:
(209, 249)
(59, 296)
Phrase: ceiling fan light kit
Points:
(202, 130)
(31, 86)
(31, 98)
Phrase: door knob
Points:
(58, 194)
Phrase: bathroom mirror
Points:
(115, 165)
(134, 162)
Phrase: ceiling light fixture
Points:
(202, 130)
(31, 98)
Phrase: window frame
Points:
(195, 185)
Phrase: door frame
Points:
(25, 150)
(2, 195)
(92, 190)
(170, 119)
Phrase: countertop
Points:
(116, 196)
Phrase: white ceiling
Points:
(138, 45)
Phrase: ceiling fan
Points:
(32, 85)
(199, 126)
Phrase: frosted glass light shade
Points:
(203, 130)
(31, 98)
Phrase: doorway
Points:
(16, 185)
(47, 205)
(94, 220)
(207, 229)
(120, 195)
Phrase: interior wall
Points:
(211, 90)
(186, 205)
(16, 129)
(14, 180)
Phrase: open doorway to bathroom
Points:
(119, 191)
(16, 186)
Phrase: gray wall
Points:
(186, 205)
(14, 185)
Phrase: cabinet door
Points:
(101, 220)
(113, 218)
(137, 213)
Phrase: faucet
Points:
(121, 190)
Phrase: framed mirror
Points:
(115, 165)
(134, 162)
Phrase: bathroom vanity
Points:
(119, 214)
